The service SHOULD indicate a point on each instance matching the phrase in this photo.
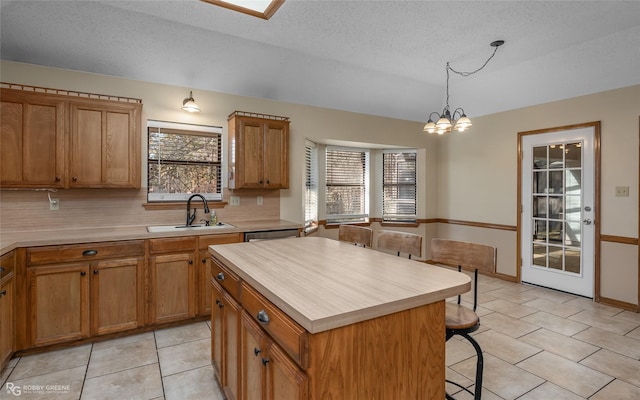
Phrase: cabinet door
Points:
(204, 270)
(216, 329)
(6, 320)
(117, 295)
(104, 145)
(172, 287)
(59, 303)
(253, 353)
(250, 157)
(276, 163)
(284, 379)
(231, 359)
(32, 135)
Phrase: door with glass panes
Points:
(558, 221)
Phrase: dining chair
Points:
(459, 319)
(358, 235)
(400, 242)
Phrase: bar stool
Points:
(460, 320)
(358, 235)
(400, 242)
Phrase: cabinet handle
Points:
(256, 351)
(95, 272)
(204, 260)
(217, 301)
(220, 276)
(88, 253)
(268, 182)
(75, 179)
(83, 273)
(260, 182)
(57, 179)
(1, 270)
(263, 317)
(4, 293)
(190, 262)
(221, 306)
(265, 361)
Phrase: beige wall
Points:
(468, 177)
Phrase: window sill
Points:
(180, 205)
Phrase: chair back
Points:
(400, 242)
(358, 235)
(469, 256)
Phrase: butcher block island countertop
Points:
(324, 284)
(355, 323)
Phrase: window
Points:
(183, 160)
(311, 183)
(399, 186)
(347, 180)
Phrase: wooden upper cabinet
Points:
(259, 151)
(61, 141)
(32, 140)
(105, 145)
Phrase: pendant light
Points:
(189, 104)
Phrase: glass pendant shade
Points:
(189, 104)
(463, 123)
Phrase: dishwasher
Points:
(267, 235)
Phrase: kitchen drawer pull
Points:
(263, 317)
(256, 351)
(88, 253)
(204, 260)
(83, 273)
(220, 276)
(265, 361)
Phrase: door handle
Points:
(586, 221)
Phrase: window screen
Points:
(347, 185)
(399, 186)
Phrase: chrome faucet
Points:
(191, 217)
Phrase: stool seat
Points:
(460, 317)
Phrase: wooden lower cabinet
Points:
(225, 336)
(204, 266)
(97, 293)
(267, 372)
(173, 287)
(7, 321)
(59, 303)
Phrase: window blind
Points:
(347, 178)
(311, 183)
(399, 186)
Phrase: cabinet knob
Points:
(190, 262)
(204, 260)
(260, 182)
(256, 351)
(220, 276)
(95, 272)
(221, 306)
(83, 273)
(1, 270)
(265, 361)
(88, 253)
(75, 179)
(57, 179)
(263, 317)
(4, 293)
(268, 182)
(217, 301)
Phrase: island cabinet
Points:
(69, 141)
(225, 330)
(259, 151)
(78, 291)
(7, 299)
(322, 319)
(172, 279)
(204, 269)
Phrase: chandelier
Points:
(458, 120)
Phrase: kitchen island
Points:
(354, 323)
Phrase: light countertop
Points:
(324, 284)
(46, 237)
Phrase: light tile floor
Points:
(537, 343)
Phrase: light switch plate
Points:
(234, 201)
(259, 200)
(622, 191)
(54, 204)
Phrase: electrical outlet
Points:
(259, 200)
(54, 204)
(234, 201)
(622, 191)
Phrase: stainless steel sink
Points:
(180, 228)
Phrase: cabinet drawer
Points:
(168, 245)
(283, 330)
(222, 238)
(7, 264)
(86, 251)
(227, 279)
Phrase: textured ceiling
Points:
(376, 57)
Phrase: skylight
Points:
(258, 8)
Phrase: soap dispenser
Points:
(213, 218)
